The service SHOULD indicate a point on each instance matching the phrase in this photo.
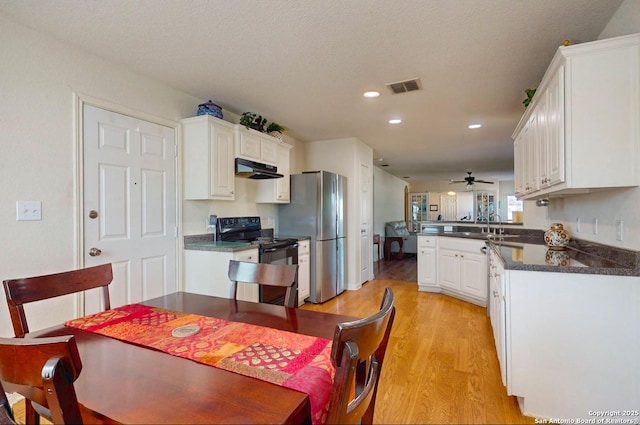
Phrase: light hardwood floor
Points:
(441, 364)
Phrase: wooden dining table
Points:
(127, 383)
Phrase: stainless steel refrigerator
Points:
(317, 210)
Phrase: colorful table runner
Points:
(295, 361)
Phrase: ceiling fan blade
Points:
(457, 181)
(483, 181)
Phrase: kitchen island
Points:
(566, 323)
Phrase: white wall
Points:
(625, 21)
(37, 143)
(388, 201)
(39, 79)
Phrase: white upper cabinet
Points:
(208, 158)
(256, 146)
(277, 191)
(582, 131)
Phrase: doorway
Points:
(448, 207)
(129, 205)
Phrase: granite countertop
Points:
(525, 249)
(205, 243)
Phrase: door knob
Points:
(94, 252)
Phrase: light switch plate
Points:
(28, 210)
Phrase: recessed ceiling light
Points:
(395, 121)
(371, 94)
(475, 125)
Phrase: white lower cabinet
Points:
(496, 303)
(462, 269)
(427, 277)
(206, 272)
(304, 271)
(568, 343)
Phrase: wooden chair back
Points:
(30, 289)
(6, 415)
(358, 351)
(43, 370)
(283, 275)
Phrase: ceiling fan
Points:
(470, 181)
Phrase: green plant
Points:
(254, 121)
(274, 126)
(529, 93)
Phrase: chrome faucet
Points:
(500, 225)
(488, 225)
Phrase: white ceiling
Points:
(306, 63)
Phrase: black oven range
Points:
(271, 250)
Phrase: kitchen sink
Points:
(481, 235)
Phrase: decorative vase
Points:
(556, 237)
(557, 257)
(210, 108)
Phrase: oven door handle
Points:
(292, 246)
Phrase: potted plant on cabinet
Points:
(253, 121)
(529, 93)
(258, 123)
(274, 129)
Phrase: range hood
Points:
(256, 170)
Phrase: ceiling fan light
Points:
(469, 186)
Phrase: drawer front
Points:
(427, 241)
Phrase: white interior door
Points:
(129, 205)
(448, 207)
(366, 246)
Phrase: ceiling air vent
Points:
(405, 86)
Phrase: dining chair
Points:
(358, 352)
(26, 290)
(43, 370)
(6, 415)
(282, 275)
(30, 289)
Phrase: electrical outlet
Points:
(619, 228)
(595, 226)
(578, 225)
(28, 210)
